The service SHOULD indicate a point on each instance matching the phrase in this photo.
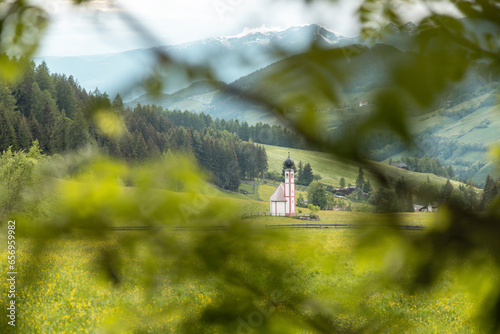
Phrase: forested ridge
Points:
(58, 112)
(62, 116)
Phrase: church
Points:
(283, 198)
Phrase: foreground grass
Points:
(66, 294)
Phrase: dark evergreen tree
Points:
(140, 149)
(471, 202)
(403, 200)
(446, 191)
(316, 195)
(360, 184)
(301, 169)
(307, 175)
(368, 187)
(244, 131)
(7, 133)
(360, 180)
(117, 102)
(24, 137)
(490, 192)
(384, 200)
(427, 193)
(342, 182)
(65, 97)
(44, 80)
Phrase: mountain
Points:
(458, 131)
(231, 57)
(366, 70)
(197, 97)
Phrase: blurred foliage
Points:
(19, 175)
(90, 196)
(21, 27)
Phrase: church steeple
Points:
(289, 162)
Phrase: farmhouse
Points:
(401, 165)
(283, 198)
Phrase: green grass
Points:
(332, 170)
(70, 296)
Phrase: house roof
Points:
(279, 194)
(399, 165)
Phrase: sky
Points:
(100, 26)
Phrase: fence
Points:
(252, 214)
(270, 226)
(174, 228)
(345, 226)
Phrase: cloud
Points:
(173, 22)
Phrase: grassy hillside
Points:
(322, 163)
(332, 170)
(458, 130)
(470, 136)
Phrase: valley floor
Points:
(72, 289)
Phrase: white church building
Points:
(283, 198)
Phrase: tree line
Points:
(403, 197)
(261, 133)
(58, 113)
(428, 165)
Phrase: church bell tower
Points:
(289, 187)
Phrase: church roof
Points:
(279, 194)
(289, 162)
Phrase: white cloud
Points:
(98, 28)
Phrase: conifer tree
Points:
(342, 182)
(307, 175)
(360, 180)
(489, 193)
(446, 191)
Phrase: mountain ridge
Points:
(231, 57)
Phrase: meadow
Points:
(77, 274)
(333, 169)
(69, 294)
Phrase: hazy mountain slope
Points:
(363, 72)
(196, 97)
(463, 142)
(458, 131)
(230, 57)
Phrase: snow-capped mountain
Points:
(230, 57)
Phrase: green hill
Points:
(196, 97)
(332, 169)
(458, 131)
